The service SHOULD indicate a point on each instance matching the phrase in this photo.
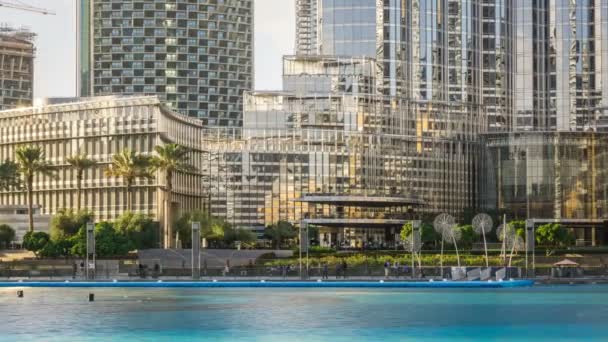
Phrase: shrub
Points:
(139, 230)
(7, 235)
(35, 241)
(67, 222)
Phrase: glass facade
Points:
(547, 175)
(16, 68)
(329, 132)
(348, 28)
(197, 56)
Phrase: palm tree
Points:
(129, 166)
(31, 161)
(80, 162)
(170, 158)
(9, 175)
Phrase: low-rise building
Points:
(99, 128)
(16, 217)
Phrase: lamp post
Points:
(530, 245)
(90, 251)
(416, 243)
(196, 250)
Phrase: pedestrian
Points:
(74, 270)
(344, 267)
(338, 267)
(226, 268)
(387, 270)
(156, 270)
(325, 271)
(396, 266)
(250, 268)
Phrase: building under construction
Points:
(16, 67)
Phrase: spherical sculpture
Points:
(482, 223)
(442, 222)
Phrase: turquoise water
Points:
(539, 313)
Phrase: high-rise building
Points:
(390, 97)
(372, 111)
(306, 27)
(16, 68)
(197, 56)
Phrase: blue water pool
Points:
(304, 314)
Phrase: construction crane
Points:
(18, 5)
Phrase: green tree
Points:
(129, 166)
(169, 159)
(35, 241)
(280, 232)
(138, 229)
(520, 228)
(212, 228)
(32, 162)
(7, 235)
(66, 222)
(468, 236)
(428, 233)
(80, 163)
(231, 235)
(9, 175)
(553, 236)
(56, 249)
(108, 242)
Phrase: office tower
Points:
(16, 68)
(197, 56)
(306, 27)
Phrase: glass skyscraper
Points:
(371, 110)
(401, 98)
(197, 56)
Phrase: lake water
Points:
(538, 313)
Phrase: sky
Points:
(56, 43)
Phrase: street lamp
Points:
(196, 250)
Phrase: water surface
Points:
(539, 313)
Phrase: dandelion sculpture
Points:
(451, 235)
(482, 224)
(508, 235)
(413, 244)
(445, 223)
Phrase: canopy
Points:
(566, 263)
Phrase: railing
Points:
(332, 272)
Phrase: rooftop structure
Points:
(16, 67)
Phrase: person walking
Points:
(338, 269)
(344, 267)
(325, 271)
(387, 269)
(226, 268)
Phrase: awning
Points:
(566, 263)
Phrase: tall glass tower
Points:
(197, 56)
